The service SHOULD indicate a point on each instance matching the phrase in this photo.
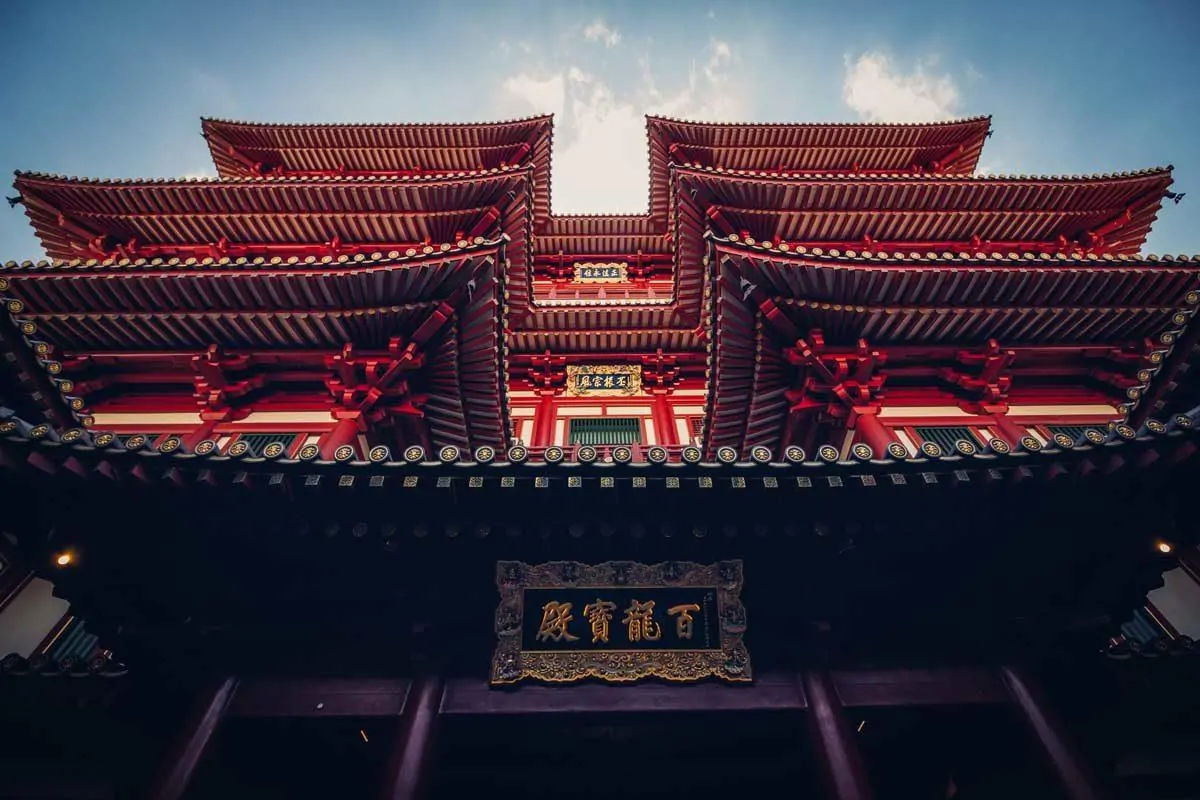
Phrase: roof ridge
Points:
(276, 180)
(445, 249)
(482, 123)
(936, 123)
(930, 177)
(640, 216)
(1023, 257)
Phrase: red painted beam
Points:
(252, 250)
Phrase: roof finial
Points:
(13, 202)
(1176, 196)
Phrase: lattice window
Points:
(257, 441)
(947, 437)
(605, 431)
(697, 428)
(1076, 432)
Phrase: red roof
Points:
(387, 211)
(1085, 309)
(947, 209)
(237, 147)
(93, 311)
(949, 148)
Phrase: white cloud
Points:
(879, 93)
(600, 158)
(540, 96)
(203, 172)
(599, 32)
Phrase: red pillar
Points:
(1004, 427)
(408, 768)
(664, 418)
(543, 420)
(345, 431)
(838, 755)
(1077, 782)
(182, 760)
(873, 432)
(208, 422)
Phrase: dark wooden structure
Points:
(271, 434)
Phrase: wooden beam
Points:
(919, 687)
(332, 697)
(770, 691)
(185, 755)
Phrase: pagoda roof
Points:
(267, 305)
(446, 301)
(841, 208)
(947, 148)
(282, 211)
(315, 148)
(583, 234)
(767, 300)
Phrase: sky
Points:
(116, 88)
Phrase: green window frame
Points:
(604, 431)
(947, 436)
(1075, 432)
(258, 441)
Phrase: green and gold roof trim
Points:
(1015, 258)
(917, 177)
(76, 447)
(260, 180)
(376, 258)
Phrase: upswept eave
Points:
(437, 146)
(69, 216)
(780, 145)
(1113, 212)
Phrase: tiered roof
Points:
(946, 148)
(319, 235)
(251, 149)
(1064, 318)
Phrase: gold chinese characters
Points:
(555, 618)
(599, 614)
(639, 621)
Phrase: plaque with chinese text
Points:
(610, 379)
(601, 273)
(620, 621)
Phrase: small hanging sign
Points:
(620, 621)
(609, 379)
(601, 273)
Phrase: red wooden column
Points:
(208, 422)
(544, 419)
(408, 768)
(838, 755)
(345, 431)
(1077, 781)
(1004, 426)
(187, 751)
(873, 432)
(664, 419)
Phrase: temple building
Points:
(844, 471)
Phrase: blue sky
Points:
(115, 88)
